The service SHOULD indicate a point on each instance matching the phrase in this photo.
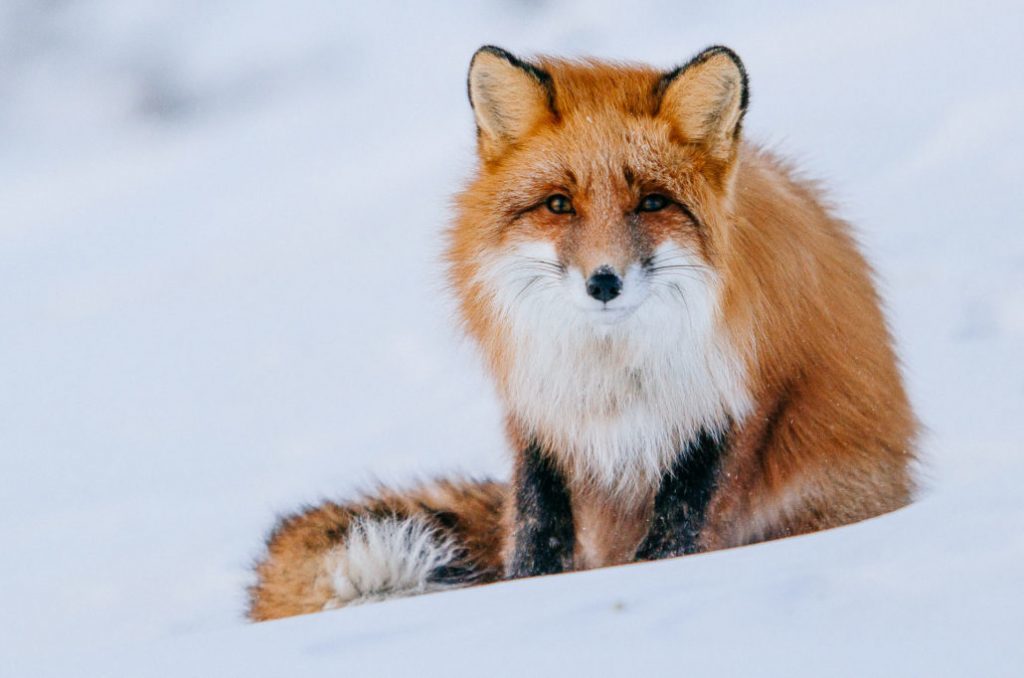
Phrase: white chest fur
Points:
(616, 399)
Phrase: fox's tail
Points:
(439, 535)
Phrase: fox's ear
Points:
(509, 98)
(706, 98)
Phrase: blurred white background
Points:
(221, 295)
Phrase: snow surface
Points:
(219, 237)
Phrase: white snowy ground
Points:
(220, 298)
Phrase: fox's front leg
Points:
(543, 535)
(681, 503)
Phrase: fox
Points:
(688, 345)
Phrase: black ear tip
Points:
(495, 51)
(502, 53)
(705, 55)
(716, 50)
(538, 74)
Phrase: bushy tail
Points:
(439, 535)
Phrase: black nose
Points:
(604, 285)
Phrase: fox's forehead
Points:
(600, 153)
(597, 88)
(604, 144)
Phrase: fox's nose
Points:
(604, 284)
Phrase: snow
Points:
(221, 299)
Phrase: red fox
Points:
(688, 345)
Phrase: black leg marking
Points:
(682, 500)
(543, 530)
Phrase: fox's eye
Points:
(652, 203)
(559, 204)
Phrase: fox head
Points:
(586, 252)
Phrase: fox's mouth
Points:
(612, 315)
